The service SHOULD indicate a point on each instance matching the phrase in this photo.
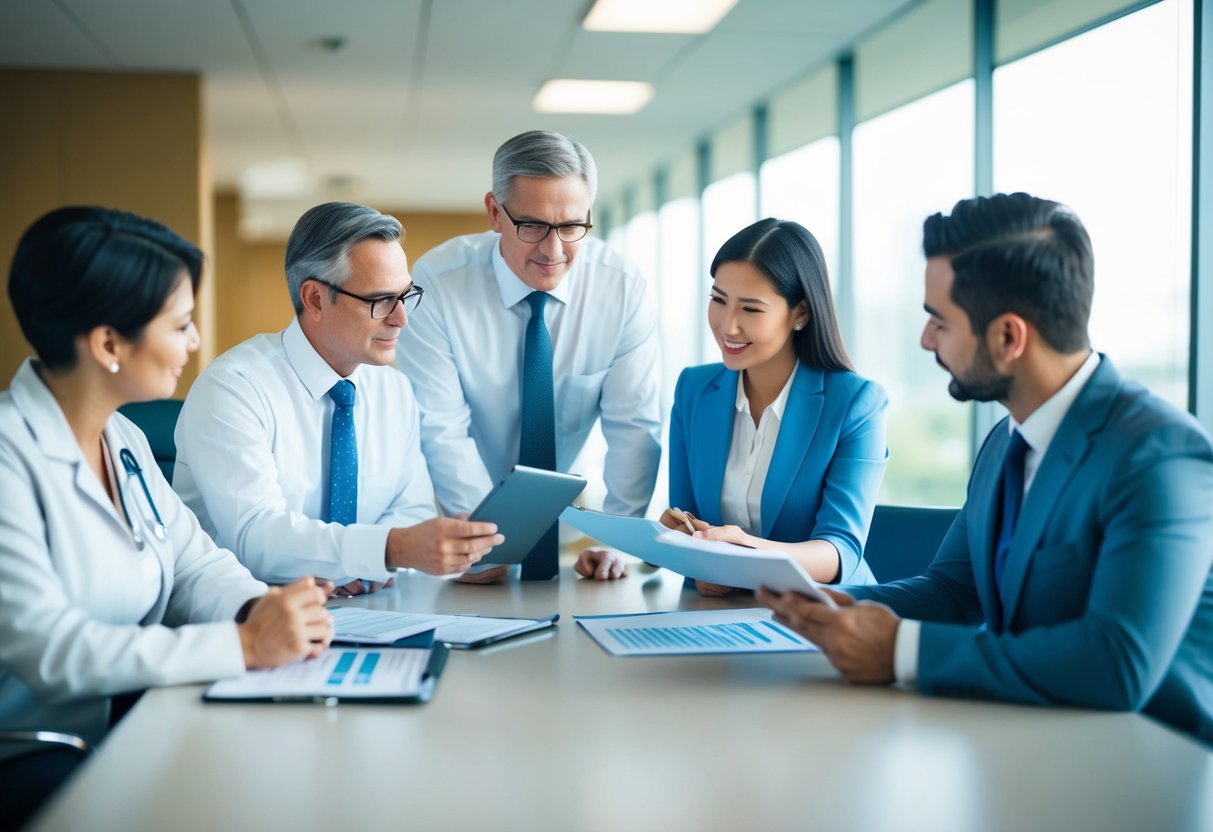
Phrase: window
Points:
(1102, 122)
(802, 185)
(909, 163)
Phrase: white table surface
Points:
(549, 732)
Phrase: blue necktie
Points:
(343, 457)
(537, 443)
(1012, 498)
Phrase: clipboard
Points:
(713, 561)
(525, 625)
(343, 674)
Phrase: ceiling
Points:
(409, 111)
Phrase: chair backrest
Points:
(904, 539)
(158, 420)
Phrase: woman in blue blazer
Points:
(782, 446)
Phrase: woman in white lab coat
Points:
(107, 583)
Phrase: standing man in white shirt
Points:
(530, 333)
(299, 450)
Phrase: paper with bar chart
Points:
(704, 632)
(340, 672)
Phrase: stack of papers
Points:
(362, 626)
(693, 633)
(713, 561)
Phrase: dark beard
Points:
(982, 383)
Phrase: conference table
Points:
(548, 731)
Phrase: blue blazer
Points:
(1107, 597)
(825, 470)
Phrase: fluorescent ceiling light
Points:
(614, 97)
(688, 17)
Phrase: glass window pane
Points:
(1102, 123)
(802, 185)
(910, 163)
(728, 206)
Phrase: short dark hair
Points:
(77, 268)
(791, 259)
(1018, 253)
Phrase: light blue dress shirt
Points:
(462, 350)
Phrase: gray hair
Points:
(541, 153)
(320, 243)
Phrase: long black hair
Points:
(78, 268)
(791, 259)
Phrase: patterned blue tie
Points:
(343, 457)
(1012, 498)
(537, 443)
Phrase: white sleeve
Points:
(631, 408)
(425, 356)
(56, 648)
(905, 651)
(224, 453)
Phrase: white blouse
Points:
(745, 473)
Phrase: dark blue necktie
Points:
(343, 457)
(1012, 498)
(537, 443)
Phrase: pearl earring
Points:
(798, 327)
(113, 367)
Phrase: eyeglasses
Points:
(382, 307)
(532, 231)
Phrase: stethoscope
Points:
(133, 470)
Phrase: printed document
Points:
(693, 633)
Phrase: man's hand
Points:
(496, 575)
(441, 546)
(286, 624)
(708, 590)
(601, 565)
(858, 639)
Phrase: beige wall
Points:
(250, 285)
(123, 140)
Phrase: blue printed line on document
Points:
(782, 632)
(367, 669)
(344, 663)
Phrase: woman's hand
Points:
(286, 624)
(672, 518)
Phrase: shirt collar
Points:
(513, 290)
(1040, 427)
(781, 401)
(315, 373)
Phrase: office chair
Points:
(157, 419)
(903, 539)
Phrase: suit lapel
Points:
(1065, 454)
(714, 417)
(796, 431)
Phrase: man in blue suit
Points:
(1078, 571)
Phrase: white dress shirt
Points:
(745, 472)
(253, 460)
(1038, 431)
(75, 626)
(463, 351)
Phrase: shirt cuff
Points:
(905, 651)
(364, 551)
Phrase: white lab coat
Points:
(71, 629)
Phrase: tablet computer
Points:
(524, 505)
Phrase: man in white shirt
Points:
(1077, 572)
(299, 450)
(594, 333)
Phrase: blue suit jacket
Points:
(1107, 597)
(825, 470)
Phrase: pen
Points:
(679, 514)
